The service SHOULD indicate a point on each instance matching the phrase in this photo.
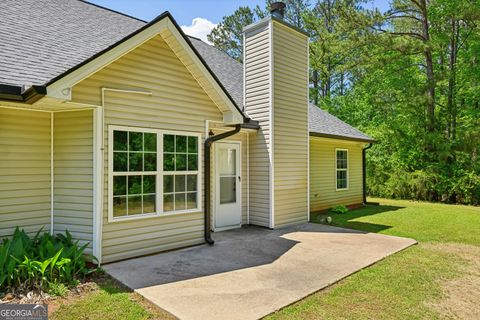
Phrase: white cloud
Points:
(199, 28)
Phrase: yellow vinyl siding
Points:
(24, 171)
(177, 103)
(323, 193)
(73, 193)
(290, 123)
(257, 106)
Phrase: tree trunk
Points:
(430, 107)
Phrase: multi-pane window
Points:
(134, 173)
(342, 169)
(145, 180)
(180, 166)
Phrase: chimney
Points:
(277, 9)
(276, 95)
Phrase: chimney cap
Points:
(277, 9)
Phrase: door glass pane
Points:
(228, 190)
(227, 167)
(227, 159)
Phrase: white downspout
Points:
(52, 173)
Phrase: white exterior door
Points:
(228, 203)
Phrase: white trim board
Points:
(158, 173)
(62, 88)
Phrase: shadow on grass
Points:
(347, 220)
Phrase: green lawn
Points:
(434, 280)
(110, 301)
(437, 279)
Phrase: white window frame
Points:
(347, 170)
(159, 173)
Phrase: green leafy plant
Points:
(339, 209)
(57, 289)
(43, 262)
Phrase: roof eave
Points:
(18, 94)
(339, 137)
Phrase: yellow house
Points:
(138, 139)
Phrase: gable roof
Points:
(43, 40)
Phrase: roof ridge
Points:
(111, 10)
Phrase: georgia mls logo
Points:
(23, 312)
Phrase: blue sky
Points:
(196, 17)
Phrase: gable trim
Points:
(60, 87)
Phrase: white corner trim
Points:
(52, 173)
(97, 182)
(272, 127)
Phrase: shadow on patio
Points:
(237, 249)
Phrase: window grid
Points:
(190, 196)
(341, 166)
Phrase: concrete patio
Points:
(252, 272)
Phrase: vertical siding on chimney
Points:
(290, 125)
(257, 106)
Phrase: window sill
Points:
(343, 189)
(152, 215)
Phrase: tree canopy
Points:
(409, 77)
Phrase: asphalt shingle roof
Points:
(324, 123)
(41, 39)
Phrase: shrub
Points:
(41, 262)
(339, 209)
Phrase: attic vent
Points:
(277, 9)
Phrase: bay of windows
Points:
(152, 172)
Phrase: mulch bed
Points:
(21, 295)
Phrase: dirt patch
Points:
(461, 296)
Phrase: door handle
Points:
(239, 179)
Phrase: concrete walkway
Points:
(252, 272)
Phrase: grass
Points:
(412, 284)
(423, 221)
(110, 301)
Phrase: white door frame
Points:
(216, 184)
